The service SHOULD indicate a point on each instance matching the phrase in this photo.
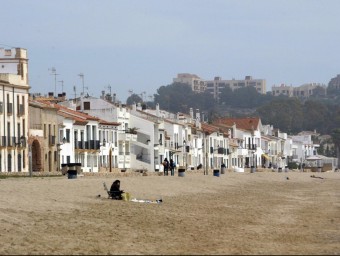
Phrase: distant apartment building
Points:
(283, 90)
(303, 91)
(197, 84)
(215, 86)
(13, 110)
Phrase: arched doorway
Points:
(36, 156)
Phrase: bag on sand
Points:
(126, 196)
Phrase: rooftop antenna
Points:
(62, 85)
(54, 73)
(109, 87)
(81, 75)
(130, 92)
(75, 91)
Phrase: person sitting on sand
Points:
(115, 191)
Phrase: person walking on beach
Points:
(166, 166)
(172, 167)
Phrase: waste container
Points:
(64, 169)
(223, 169)
(181, 172)
(216, 172)
(280, 169)
(286, 169)
(319, 168)
(78, 167)
(252, 169)
(72, 171)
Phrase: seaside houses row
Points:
(41, 134)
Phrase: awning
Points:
(265, 156)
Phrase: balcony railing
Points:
(51, 140)
(21, 110)
(9, 108)
(90, 144)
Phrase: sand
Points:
(236, 213)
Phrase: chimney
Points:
(157, 110)
(191, 113)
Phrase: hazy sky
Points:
(141, 45)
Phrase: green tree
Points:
(133, 99)
(285, 114)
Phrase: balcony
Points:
(51, 140)
(242, 152)
(90, 145)
(21, 110)
(9, 108)
(127, 137)
(3, 141)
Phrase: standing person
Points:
(172, 167)
(166, 166)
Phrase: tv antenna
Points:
(81, 75)
(54, 73)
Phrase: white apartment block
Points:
(215, 86)
(287, 90)
(196, 83)
(303, 91)
(14, 90)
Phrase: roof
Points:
(79, 118)
(247, 123)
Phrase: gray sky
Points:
(141, 45)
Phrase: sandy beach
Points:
(236, 213)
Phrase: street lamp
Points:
(185, 152)
(102, 150)
(63, 141)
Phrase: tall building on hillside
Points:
(283, 90)
(197, 84)
(303, 91)
(14, 90)
(215, 86)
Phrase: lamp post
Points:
(184, 153)
(21, 143)
(58, 150)
(102, 150)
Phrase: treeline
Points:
(290, 115)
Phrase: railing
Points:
(51, 140)
(9, 108)
(21, 110)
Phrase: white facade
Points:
(14, 90)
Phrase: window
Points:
(68, 135)
(87, 105)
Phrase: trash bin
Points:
(223, 169)
(319, 169)
(72, 171)
(252, 169)
(181, 172)
(78, 167)
(286, 169)
(280, 169)
(64, 169)
(217, 173)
